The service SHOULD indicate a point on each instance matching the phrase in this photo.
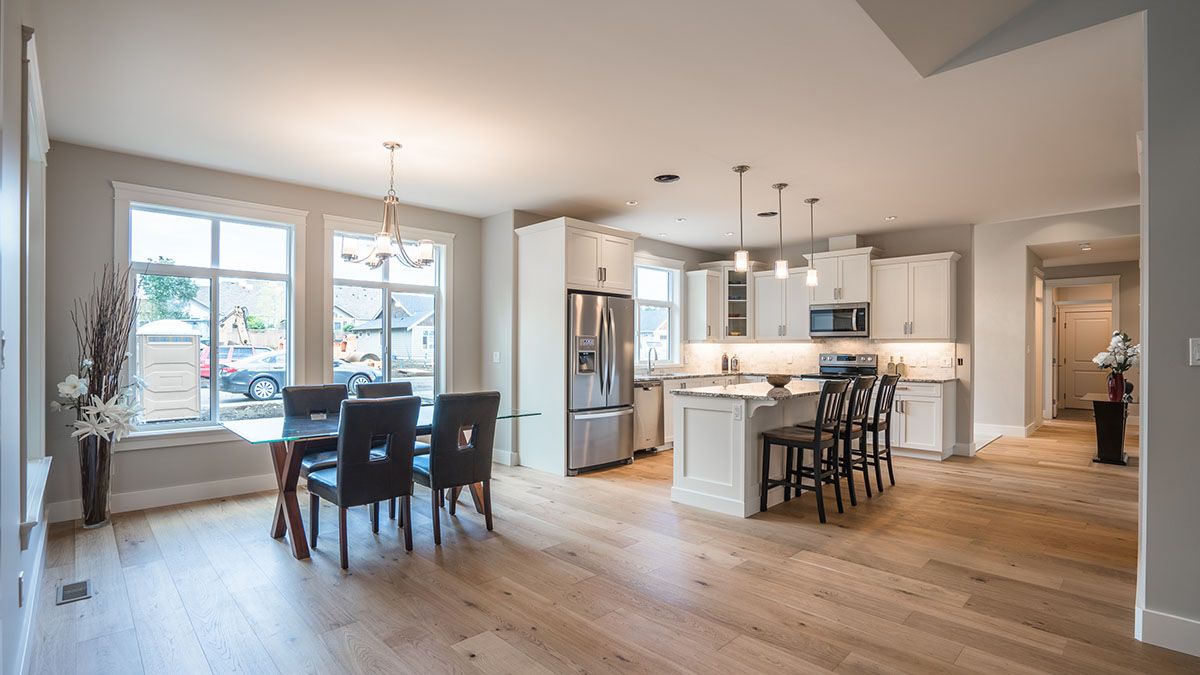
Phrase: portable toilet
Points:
(169, 364)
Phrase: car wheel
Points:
(263, 388)
(356, 380)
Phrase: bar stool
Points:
(853, 429)
(821, 437)
(881, 422)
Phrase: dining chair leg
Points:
(406, 520)
(487, 503)
(835, 470)
(887, 439)
(392, 508)
(453, 499)
(849, 472)
(403, 518)
(436, 501)
(766, 466)
(875, 457)
(314, 516)
(787, 474)
(375, 517)
(343, 553)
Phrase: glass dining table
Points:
(284, 434)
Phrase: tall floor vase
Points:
(95, 473)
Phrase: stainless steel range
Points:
(844, 366)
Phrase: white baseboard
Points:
(965, 449)
(166, 496)
(982, 429)
(1032, 427)
(32, 589)
(1167, 630)
(506, 457)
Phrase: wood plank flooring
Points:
(1021, 559)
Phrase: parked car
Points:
(262, 377)
(228, 354)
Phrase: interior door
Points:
(583, 258)
(1083, 332)
(889, 301)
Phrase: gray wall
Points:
(1003, 306)
(80, 241)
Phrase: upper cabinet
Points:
(598, 258)
(843, 276)
(721, 302)
(781, 306)
(703, 305)
(914, 298)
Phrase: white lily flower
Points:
(73, 386)
(90, 425)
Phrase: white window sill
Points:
(174, 438)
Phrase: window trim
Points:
(676, 268)
(126, 195)
(445, 285)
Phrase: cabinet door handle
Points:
(708, 330)
(599, 274)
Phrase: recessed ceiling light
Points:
(681, 220)
(728, 234)
(662, 234)
(631, 202)
(1085, 247)
(889, 217)
(666, 178)
(768, 214)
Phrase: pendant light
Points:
(388, 243)
(741, 257)
(810, 279)
(781, 265)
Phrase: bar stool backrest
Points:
(829, 408)
(860, 400)
(885, 398)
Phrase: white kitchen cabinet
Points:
(703, 305)
(598, 260)
(843, 276)
(914, 297)
(781, 306)
(735, 301)
(923, 417)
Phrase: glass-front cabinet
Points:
(721, 302)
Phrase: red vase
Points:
(1116, 386)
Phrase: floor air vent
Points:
(73, 592)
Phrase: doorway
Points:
(1083, 331)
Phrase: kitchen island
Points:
(718, 447)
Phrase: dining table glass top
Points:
(305, 427)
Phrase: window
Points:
(215, 303)
(656, 294)
(393, 315)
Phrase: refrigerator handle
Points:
(612, 349)
(602, 371)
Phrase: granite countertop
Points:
(659, 377)
(757, 391)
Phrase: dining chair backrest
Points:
(361, 479)
(452, 463)
(829, 408)
(307, 399)
(885, 398)
(860, 399)
(384, 389)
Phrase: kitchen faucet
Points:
(650, 356)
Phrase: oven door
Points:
(839, 320)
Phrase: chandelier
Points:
(387, 243)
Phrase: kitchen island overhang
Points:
(718, 443)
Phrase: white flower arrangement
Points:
(110, 420)
(1121, 354)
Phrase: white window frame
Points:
(128, 195)
(675, 305)
(443, 293)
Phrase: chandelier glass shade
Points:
(810, 279)
(741, 257)
(387, 243)
(781, 265)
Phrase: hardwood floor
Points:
(1021, 559)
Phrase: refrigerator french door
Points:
(600, 380)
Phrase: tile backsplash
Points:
(924, 359)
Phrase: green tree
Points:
(166, 297)
(255, 323)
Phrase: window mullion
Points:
(214, 348)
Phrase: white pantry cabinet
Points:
(598, 260)
(914, 298)
(781, 306)
(843, 276)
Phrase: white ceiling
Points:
(570, 108)
(1111, 249)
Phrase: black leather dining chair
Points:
(385, 390)
(464, 431)
(309, 399)
(361, 477)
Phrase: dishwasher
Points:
(647, 415)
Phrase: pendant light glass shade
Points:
(741, 257)
(810, 279)
(781, 269)
(387, 243)
(781, 265)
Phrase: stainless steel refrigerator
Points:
(599, 381)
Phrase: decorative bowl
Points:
(778, 380)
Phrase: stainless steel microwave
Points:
(848, 320)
